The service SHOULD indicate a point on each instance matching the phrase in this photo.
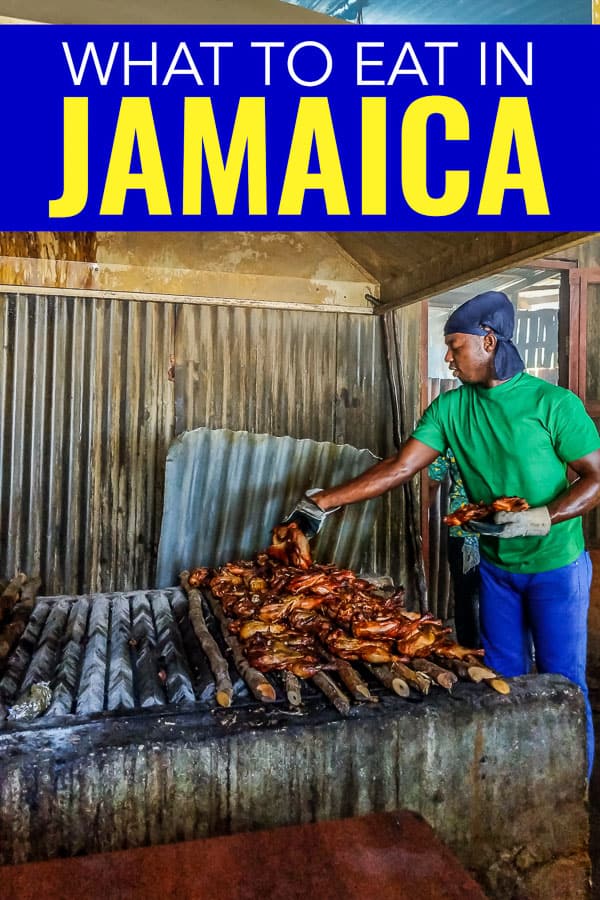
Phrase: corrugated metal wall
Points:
(87, 414)
(86, 417)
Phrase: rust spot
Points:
(171, 369)
(78, 246)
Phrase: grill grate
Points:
(109, 653)
(115, 653)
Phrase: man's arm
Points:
(412, 457)
(583, 494)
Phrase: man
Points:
(514, 435)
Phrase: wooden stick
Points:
(479, 674)
(332, 692)
(293, 689)
(389, 678)
(350, 677)
(418, 680)
(457, 665)
(218, 665)
(474, 660)
(21, 611)
(202, 674)
(443, 677)
(499, 685)
(11, 594)
(260, 686)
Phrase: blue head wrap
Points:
(491, 310)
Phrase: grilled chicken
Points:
(477, 511)
(290, 614)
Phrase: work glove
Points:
(528, 523)
(307, 515)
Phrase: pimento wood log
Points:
(218, 665)
(11, 594)
(479, 673)
(333, 693)
(390, 679)
(21, 611)
(350, 677)
(443, 677)
(418, 680)
(293, 689)
(260, 686)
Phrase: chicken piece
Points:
(451, 650)
(299, 551)
(423, 641)
(304, 669)
(510, 504)
(278, 549)
(353, 648)
(478, 511)
(290, 546)
(275, 654)
(255, 626)
(274, 612)
(223, 583)
(391, 628)
(198, 577)
(304, 583)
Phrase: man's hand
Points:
(308, 515)
(528, 523)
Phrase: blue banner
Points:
(390, 128)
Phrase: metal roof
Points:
(454, 12)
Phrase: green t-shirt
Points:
(515, 439)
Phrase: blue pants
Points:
(549, 609)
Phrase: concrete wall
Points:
(501, 779)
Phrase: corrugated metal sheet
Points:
(225, 490)
(465, 12)
(86, 416)
(305, 375)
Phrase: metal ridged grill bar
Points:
(109, 653)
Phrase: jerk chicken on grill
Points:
(469, 512)
(290, 614)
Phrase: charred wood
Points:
(260, 686)
(218, 665)
(389, 678)
(443, 677)
(350, 678)
(293, 689)
(418, 680)
(333, 693)
(11, 594)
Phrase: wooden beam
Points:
(464, 263)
